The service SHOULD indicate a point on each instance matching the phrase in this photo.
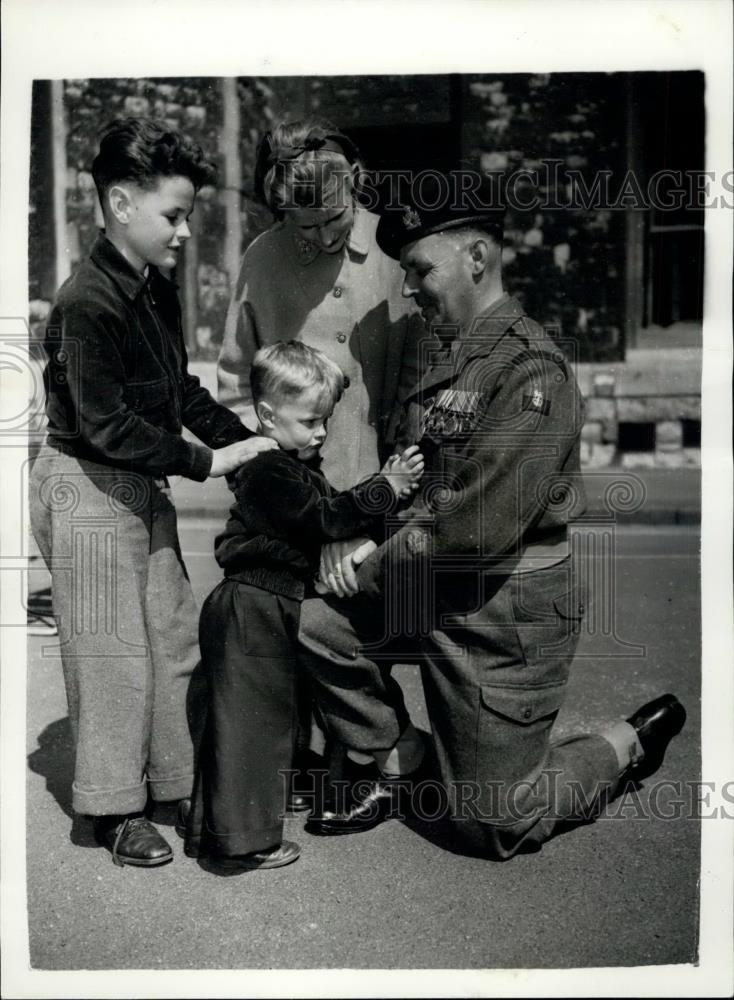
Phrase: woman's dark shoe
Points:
(656, 724)
(133, 840)
(274, 857)
(192, 841)
(308, 771)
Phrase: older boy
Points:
(118, 394)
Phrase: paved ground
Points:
(620, 892)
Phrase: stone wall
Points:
(644, 412)
(566, 265)
(195, 106)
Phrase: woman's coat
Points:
(350, 306)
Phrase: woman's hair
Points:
(144, 150)
(284, 370)
(298, 161)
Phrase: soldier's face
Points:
(438, 276)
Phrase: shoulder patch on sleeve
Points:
(537, 401)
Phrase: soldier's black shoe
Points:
(656, 724)
(371, 801)
(133, 840)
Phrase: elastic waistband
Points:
(276, 581)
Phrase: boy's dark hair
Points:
(144, 150)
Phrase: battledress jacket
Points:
(350, 306)
(498, 416)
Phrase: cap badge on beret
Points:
(411, 219)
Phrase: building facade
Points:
(604, 236)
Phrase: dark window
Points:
(673, 122)
(691, 433)
(636, 437)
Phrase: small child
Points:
(248, 631)
(118, 393)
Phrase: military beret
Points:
(434, 202)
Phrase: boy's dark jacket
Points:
(118, 388)
(285, 512)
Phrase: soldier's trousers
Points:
(494, 673)
(127, 630)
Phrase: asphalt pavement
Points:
(622, 891)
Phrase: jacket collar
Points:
(130, 282)
(358, 241)
(489, 329)
(313, 463)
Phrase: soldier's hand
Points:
(234, 455)
(338, 564)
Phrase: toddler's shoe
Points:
(274, 857)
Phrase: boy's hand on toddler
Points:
(404, 471)
(234, 455)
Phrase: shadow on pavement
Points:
(53, 759)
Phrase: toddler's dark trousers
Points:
(248, 640)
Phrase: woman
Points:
(317, 275)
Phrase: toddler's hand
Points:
(404, 471)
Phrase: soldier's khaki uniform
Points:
(479, 579)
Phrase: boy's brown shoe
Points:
(133, 840)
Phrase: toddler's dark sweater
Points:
(285, 512)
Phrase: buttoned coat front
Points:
(348, 305)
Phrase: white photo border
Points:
(45, 39)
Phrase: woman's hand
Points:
(339, 561)
(404, 471)
(234, 455)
